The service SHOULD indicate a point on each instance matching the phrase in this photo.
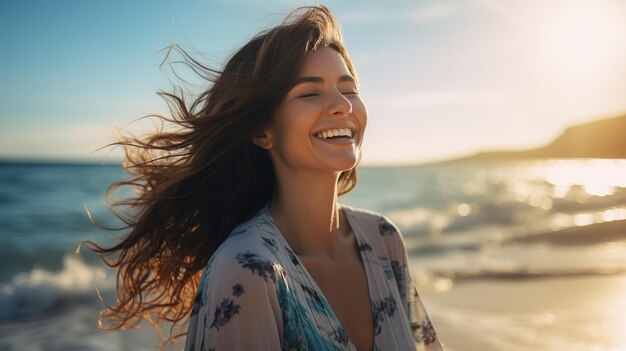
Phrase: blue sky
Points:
(440, 78)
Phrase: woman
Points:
(247, 189)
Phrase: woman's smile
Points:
(338, 136)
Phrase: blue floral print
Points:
(300, 332)
(296, 345)
(385, 228)
(400, 276)
(259, 286)
(313, 299)
(223, 313)
(292, 256)
(269, 243)
(365, 247)
(257, 265)
(388, 272)
(381, 309)
(341, 336)
(238, 290)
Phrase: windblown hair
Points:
(198, 181)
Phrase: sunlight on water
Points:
(565, 188)
(561, 220)
(597, 177)
(583, 219)
(614, 214)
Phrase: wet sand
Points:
(556, 313)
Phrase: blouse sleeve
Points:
(423, 331)
(236, 307)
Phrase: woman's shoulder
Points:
(372, 220)
(379, 232)
(255, 239)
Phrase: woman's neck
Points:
(305, 209)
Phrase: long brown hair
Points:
(195, 183)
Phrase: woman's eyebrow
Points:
(347, 78)
(311, 79)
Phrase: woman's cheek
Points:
(361, 116)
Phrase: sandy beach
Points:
(546, 309)
(565, 313)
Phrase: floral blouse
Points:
(255, 294)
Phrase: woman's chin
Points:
(343, 164)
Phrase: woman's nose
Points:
(340, 105)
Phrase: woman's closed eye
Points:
(310, 94)
(314, 94)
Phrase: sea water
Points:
(461, 223)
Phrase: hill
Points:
(599, 139)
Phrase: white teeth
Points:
(347, 132)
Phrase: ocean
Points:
(470, 230)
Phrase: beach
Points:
(537, 309)
(569, 313)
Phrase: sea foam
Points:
(39, 291)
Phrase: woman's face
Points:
(319, 125)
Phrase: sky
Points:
(441, 78)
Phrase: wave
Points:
(524, 274)
(439, 281)
(460, 217)
(41, 291)
(610, 231)
(514, 261)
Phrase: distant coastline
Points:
(604, 138)
(55, 162)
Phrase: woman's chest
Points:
(345, 287)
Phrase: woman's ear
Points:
(263, 139)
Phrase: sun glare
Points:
(580, 42)
(596, 177)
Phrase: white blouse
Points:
(255, 294)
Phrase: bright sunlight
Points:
(580, 41)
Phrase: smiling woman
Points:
(320, 123)
(236, 227)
